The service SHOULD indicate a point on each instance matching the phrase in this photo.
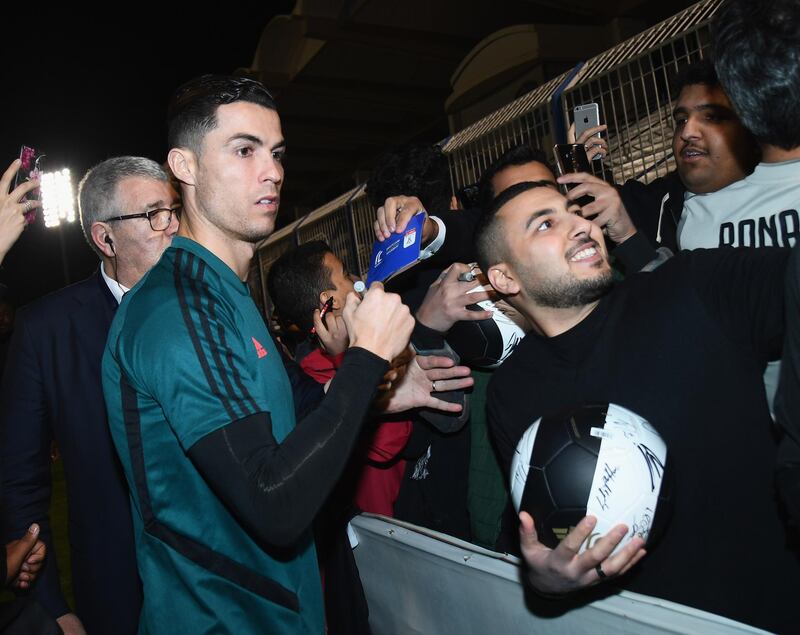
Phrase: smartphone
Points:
(571, 157)
(586, 116)
(31, 168)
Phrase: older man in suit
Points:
(52, 392)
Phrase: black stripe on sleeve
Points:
(232, 367)
(190, 327)
(197, 300)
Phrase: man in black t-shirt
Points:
(684, 347)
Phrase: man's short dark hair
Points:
(516, 155)
(699, 72)
(757, 56)
(490, 242)
(295, 281)
(192, 111)
(419, 170)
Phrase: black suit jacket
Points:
(52, 391)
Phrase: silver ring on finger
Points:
(600, 573)
(433, 386)
(27, 206)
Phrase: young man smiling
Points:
(683, 347)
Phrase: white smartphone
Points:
(586, 116)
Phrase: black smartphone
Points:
(570, 158)
(31, 168)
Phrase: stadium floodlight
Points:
(58, 201)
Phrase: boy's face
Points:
(341, 280)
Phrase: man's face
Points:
(240, 171)
(136, 245)
(711, 147)
(558, 257)
(513, 174)
(341, 280)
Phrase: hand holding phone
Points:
(14, 210)
(30, 169)
(330, 330)
(586, 118)
(325, 308)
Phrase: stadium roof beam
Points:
(417, 43)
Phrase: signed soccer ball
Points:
(487, 343)
(599, 460)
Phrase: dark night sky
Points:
(84, 91)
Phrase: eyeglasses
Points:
(159, 218)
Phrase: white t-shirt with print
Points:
(761, 210)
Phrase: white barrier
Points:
(421, 582)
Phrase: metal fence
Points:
(527, 119)
(631, 84)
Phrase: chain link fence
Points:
(631, 85)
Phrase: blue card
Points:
(397, 253)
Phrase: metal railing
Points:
(631, 84)
(527, 119)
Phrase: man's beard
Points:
(568, 292)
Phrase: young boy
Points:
(300, 283)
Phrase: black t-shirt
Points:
(684, 347)
(787, 401)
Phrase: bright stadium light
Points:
(58, 201)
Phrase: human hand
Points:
(563, 569)
(424, 376)
(332, 333)
(397, 368)
(379, 322)
(394, 214)
(447, 299)
(594, 145)
(12, 212)
(24, 558)
(607, 209)
(71, 625)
